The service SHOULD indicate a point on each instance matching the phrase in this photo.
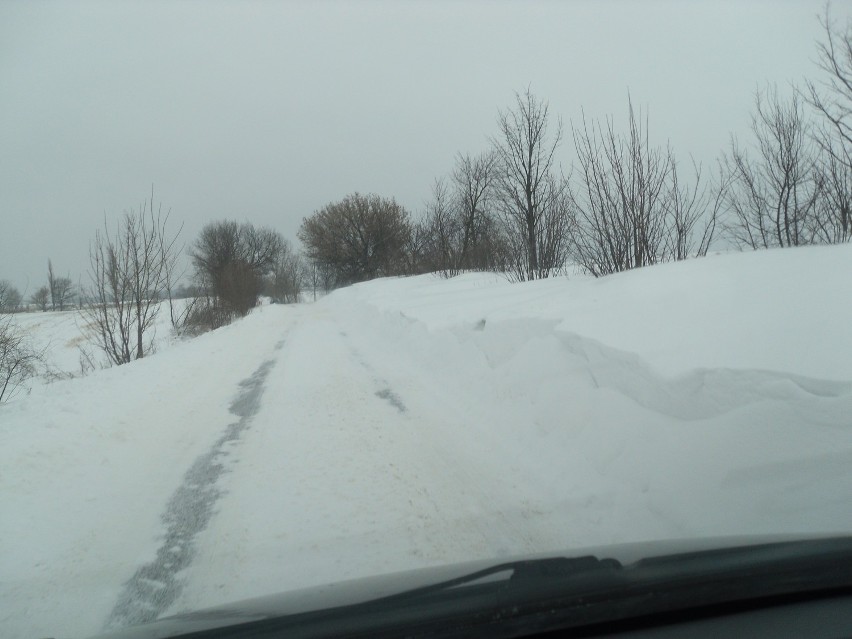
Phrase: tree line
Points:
(57, 295)
(629, 203)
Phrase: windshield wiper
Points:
(525, 574)
(588, 590)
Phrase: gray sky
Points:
(266, 111)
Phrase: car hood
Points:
(352, 593)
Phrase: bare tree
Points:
(474, 180)
(231, 261)
(832, 223)
(318, 277)
(527, 188)
(18, 360)
(171, 277)
(460, 225)
(775, 195)
(556, 227)
(63, 292)
(442, 230)
(61, 289)
(359, 238)
(416, 252)
(41, 298)
(284, 284)
(831, 97)
(129, 271)
(10, 297)
(51, 284)
(314, 278)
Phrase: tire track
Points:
(385, 392)
(156, 585)
(503, 532)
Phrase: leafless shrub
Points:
(18, 359)
(86, 358)
(180, 310)
(129, 269)
(203, 314)
(692, 206)
(633, 208)
(775, 195)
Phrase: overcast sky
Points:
(266, 111)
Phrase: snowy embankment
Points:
(411, 422)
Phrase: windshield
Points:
(297, 293)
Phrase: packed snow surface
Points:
(409, 422)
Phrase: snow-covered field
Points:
(66, 339)
(410, 422)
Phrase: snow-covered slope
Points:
(783, 310)
(410, 422)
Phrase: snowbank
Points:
(781, 310)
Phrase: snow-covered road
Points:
(414, 422)
(354, 469)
